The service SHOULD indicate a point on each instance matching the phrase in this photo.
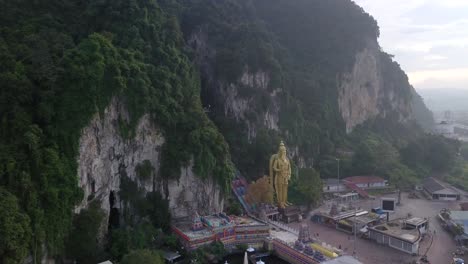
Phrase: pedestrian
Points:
(339, 246)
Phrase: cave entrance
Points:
(114, 214)
(93, 186)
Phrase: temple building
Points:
(347, 220)
(230, 230)
(401, 234)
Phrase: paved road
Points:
(440, 252)
(367, 251)
(443, 244)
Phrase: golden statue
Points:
(280, 174)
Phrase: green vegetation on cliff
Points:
(304, 48)
(61, 63)
(423, 116)
(143, 257)
(82, 244)
(15, 230)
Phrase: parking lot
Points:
(438, 244)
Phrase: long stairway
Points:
(239, 187)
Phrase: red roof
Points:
(354, 187)
(364, 179)
(464, 206)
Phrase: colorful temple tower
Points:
(304, 235)
(196, 222)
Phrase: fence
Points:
(284, 227)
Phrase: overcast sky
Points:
(429, 39)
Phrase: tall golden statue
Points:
(280, 174)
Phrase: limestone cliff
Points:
(305, 78)
(364, 93)
(241, 99)
(245, 109)
(104, 156)
(221, 83)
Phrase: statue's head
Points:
(282, 150)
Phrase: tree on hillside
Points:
(441, 153)
(234, 208)
(374, 156)
(157, 208)
(402, 177)
(431, 153)
(143, 256)
(309, 185)
(83, 244)
(260, 191)
(141, 236)
(15, 232)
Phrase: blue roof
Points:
(379, 211)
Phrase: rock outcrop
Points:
(245, 109)
(105, 156)
(241, 99)
(364, 94)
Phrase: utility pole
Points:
(338, 173)
(336, 199)
(355, 231)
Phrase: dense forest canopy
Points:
(62, 62)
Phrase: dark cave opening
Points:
(114, 214)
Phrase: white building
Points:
(400, 234)
(333, 185)
(438, 191)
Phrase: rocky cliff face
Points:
(104, 157)
(245, 108)
(364, 94)
(267, 77)
(239, 99)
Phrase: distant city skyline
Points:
(429, 39)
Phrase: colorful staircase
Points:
(239, 187)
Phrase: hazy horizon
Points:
(445, 99)
(428, 38)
